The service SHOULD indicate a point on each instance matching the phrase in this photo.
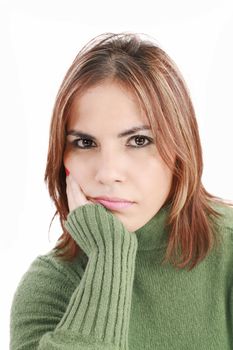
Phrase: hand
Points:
(75, 195)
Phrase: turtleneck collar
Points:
(154, 234)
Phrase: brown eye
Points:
(140, 141)
(85, 142)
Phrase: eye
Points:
(140, 141)
(85, 142)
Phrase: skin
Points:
(111, 167)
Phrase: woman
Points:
(145, 259)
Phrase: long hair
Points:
(147, 71)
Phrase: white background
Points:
(39, 40)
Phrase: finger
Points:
(76, 197)
(69, 195)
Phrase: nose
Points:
(110, 167)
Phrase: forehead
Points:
(109, 104)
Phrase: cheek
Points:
(159, 177)
(67, 160)
(72, 163)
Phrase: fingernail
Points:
(67, 172)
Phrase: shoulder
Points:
(48, 271)
(49, 266)
(224, 223)
(226, 215)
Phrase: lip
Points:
(114, 203)
(112, 199)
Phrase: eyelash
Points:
(150, 140)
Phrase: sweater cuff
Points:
(94, 228)
(100, 308)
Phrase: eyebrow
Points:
(122, 134)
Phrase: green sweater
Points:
(116, 295)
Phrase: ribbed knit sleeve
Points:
(98, 313)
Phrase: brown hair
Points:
(144, 68)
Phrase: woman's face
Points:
(107, 164)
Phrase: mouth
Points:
(114, 205)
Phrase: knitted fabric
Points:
(116, 294)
